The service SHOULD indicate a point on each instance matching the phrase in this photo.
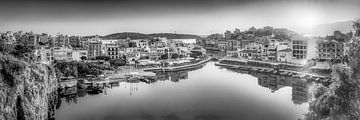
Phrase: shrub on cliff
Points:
(10, 67)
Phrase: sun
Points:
(308, 20)
(304, 19)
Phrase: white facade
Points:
(284, 55)
(77, 54)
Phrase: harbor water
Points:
(207, 93)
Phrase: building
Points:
(61, 40)
(299, 47)
(141, 43)
(250, 54)
(284, 55)
(329, 49)
(94, 49)
(79, 54)
(63, 53)
(228, 34)
(222, 44)
(272, 51)
(75, 41)
(232, 53)
(112, 51)
(46, 55)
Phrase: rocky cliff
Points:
(27, 91)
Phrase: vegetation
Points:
(134, 35)
(106, 58)
(341, 99)
(164, 56)
(118, 62)
(195, 54)
(175, 56)
(79, 69)
(20, 49)
(357, 27)
(10, 67)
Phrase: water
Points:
(208, 93)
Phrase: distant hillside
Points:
(174, 36)
(133, 35)
(328, 29)
(125, 35)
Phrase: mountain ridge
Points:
(135, 35)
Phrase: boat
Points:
(66, 82)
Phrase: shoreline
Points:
(283, 70)
(178, 68)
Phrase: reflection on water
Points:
(300, 87)
(71, 94)
(209, 93)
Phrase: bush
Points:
(10, 67)
(78, 69)
(117, 62)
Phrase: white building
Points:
(284, 55)
(63, 53)
(77, 54)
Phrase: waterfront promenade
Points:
(253, 67)
(176, 68)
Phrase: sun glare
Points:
(305, 19)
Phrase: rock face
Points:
(29, 94)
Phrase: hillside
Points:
(328, 29)
(174, 36)
(133, 35)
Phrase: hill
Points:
(328, 29)
(133, 35)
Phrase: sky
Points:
(201, 17)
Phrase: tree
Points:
(83, 58)
(356, 26)
(195, 54)
(106, 58)
(164, 56)
(4, 47)
(341, 99)
(117, 62)
(175, 56)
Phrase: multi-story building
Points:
(232, 53)
(63, 53)
(235, 44)
(94, 49)
(222, 44)
(299, 47)
(141, 43)
(284, 55)
(61, 40)
(47, 55)
(75, 41)
(272, 51)
(228, 35)
(112, 50)
(329, 49)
